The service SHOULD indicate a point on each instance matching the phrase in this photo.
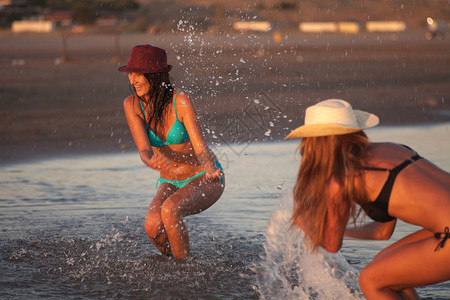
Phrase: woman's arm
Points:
(187, 115)
(371, 231)
(337, 218)
(140, 137)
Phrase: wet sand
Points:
(245, 87)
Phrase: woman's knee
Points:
(367, 280)
(170, 214)
(153, 225)
(362, 279)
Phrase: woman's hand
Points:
(159, 162)
(155, 161)
(216, 176)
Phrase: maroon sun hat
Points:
(147, 59)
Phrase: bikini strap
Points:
(407, 147)
(401, 166)
(444, 235)
(387, 188)
(376, 169)
(175, 104)
(143, 111)
(398, 168)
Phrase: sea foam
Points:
(288, 270)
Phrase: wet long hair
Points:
(160, 97)
(337, 157)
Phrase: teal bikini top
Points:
(177, 134)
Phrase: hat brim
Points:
(364, 119)
(140, 70)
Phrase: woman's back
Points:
(421, 191)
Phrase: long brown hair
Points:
(337, 157)
(160, 96)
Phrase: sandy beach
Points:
(246, 87)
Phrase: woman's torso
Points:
(182, 160)
(420, 194)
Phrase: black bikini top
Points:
(378, 209)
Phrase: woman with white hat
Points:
(341, 169)
(164, 126)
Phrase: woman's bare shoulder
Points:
(389, 151)
(390, 146)
(184, 105)
(129, 100)
(131, 106)
(183, 98)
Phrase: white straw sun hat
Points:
(333, 117)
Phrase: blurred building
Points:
(32, 26)
(60, 18)
(107, 19)
(13, 2)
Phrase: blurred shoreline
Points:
(246, 87)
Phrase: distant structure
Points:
(61, 18)
(252, 26)
(13, 2)
(352, 27)
(32, 26)
(385, 26)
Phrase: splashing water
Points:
(289, 271)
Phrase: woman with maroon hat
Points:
(164, 126)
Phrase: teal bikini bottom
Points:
(181, 183)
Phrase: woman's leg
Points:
(418, 235)
(409, 293)
(154, 226)
(394, 274)
(195, 197)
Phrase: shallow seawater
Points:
(73, 227)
